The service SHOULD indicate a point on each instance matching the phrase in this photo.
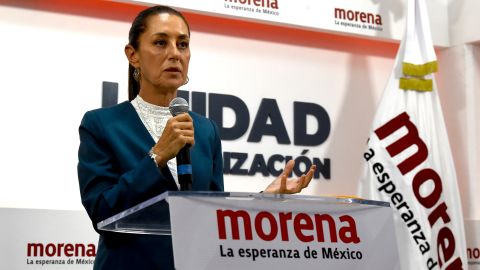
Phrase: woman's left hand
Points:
(283, 185)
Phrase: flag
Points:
(408, 160)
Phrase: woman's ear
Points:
(132, 55)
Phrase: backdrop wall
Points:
(56, 64)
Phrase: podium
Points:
(233, 230)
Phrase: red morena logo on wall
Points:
(61, 249)
(306, 228)
(258, 3)
(358, 16)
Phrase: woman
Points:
(127, 152)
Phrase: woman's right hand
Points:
(178, 132)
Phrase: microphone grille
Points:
(177, 106)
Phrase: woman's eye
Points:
(160, 42)
(183, 45)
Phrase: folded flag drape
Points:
(408, 159)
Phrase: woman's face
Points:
(164, 53)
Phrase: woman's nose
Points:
(173, 52)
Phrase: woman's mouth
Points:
(172, 69)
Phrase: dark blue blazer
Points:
(115, 173)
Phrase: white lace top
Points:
(154, 118)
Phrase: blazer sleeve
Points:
(217, 184)
(106, 188)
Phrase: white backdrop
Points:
(54, 65)
(460, 80)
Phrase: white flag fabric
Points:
(408, 160)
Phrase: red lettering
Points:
(92, 250)
(473, 253)
(455, 265)
(371, 18)
(34, 249)
(266, 226)
(272, 223)
(234, 217)
(340, 13)
(79, 250)
(420, 178)
(331, 225)
(348, 234)
(284, 217)
(352, 15)
(363, 17)
(258, 3)
(50, 250)
(357, 13)
(302, 222)
(410, 139)
(439, 212)
(68, 250)
(60, 249)
(445, 245)
(430, 194)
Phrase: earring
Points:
(186, 81)
(136, 74)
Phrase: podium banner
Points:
(46, 239)
(239, 233)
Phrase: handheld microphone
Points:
(184, 166)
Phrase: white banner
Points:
(408, 160)
(239, 233)
(46, 239)
(379, 19)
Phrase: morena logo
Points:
(273, 4)
(61, 249)
(429, 198)
(306, 228)
(358, 16)
(473, 253)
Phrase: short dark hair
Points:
(139, 25)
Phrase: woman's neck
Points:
(158, 97)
